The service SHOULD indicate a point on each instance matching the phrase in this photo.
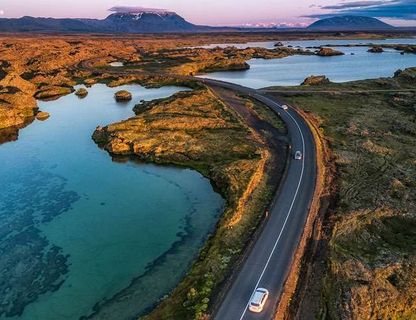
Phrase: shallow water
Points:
(356, 64)
(76, 228)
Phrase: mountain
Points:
(144, 21)
(345, 23)
(31, 24)
(147, 22)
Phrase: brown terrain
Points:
(363, 264)
(240, 146)
(236, 143)
(47, 67)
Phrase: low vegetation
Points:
(49, 67)
(371, 269)
(372, 251)
(197, 130)
(189, 61)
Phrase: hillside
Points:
(118, 22)
(345, 23)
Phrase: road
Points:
(269, 260)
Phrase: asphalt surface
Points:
(268, 263)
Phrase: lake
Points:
(356, 64)
(78, 229)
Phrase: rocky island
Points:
(122, 95)
(328, 52)
(81, 92)
(376, 49)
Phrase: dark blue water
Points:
(76, 228)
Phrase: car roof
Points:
(258, 295)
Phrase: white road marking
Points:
(290, 209)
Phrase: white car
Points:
(258, 300)
(298, 155)
(285, 107)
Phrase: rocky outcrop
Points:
(17, 104)
(169, 129)
(89, 82)
(220, 59)
(407, 75)
(52, 92)
(100, 136)
(315, 80)
(122, 95)
(376, 49)
(408, 49)
(328, 52)
(42, 115)
(81, 92)
(236, 65)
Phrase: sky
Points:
(224, 12)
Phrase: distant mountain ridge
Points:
(163, 21)
(119, 22)
(345, 23)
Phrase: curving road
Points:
(269, 261)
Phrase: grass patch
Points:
(195, 129)
(371, 127)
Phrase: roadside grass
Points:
(371, 267)
(265, 114)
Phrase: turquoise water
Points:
(356, 64)
(77, 228)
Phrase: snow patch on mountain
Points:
(139, 11)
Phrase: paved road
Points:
(269, 261)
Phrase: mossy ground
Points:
(371, 126)
(196, 129)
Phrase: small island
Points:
(122, 95)
(328, 52)
(376, 49)
(81, 93)
(42, 115)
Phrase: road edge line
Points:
(313, 225)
